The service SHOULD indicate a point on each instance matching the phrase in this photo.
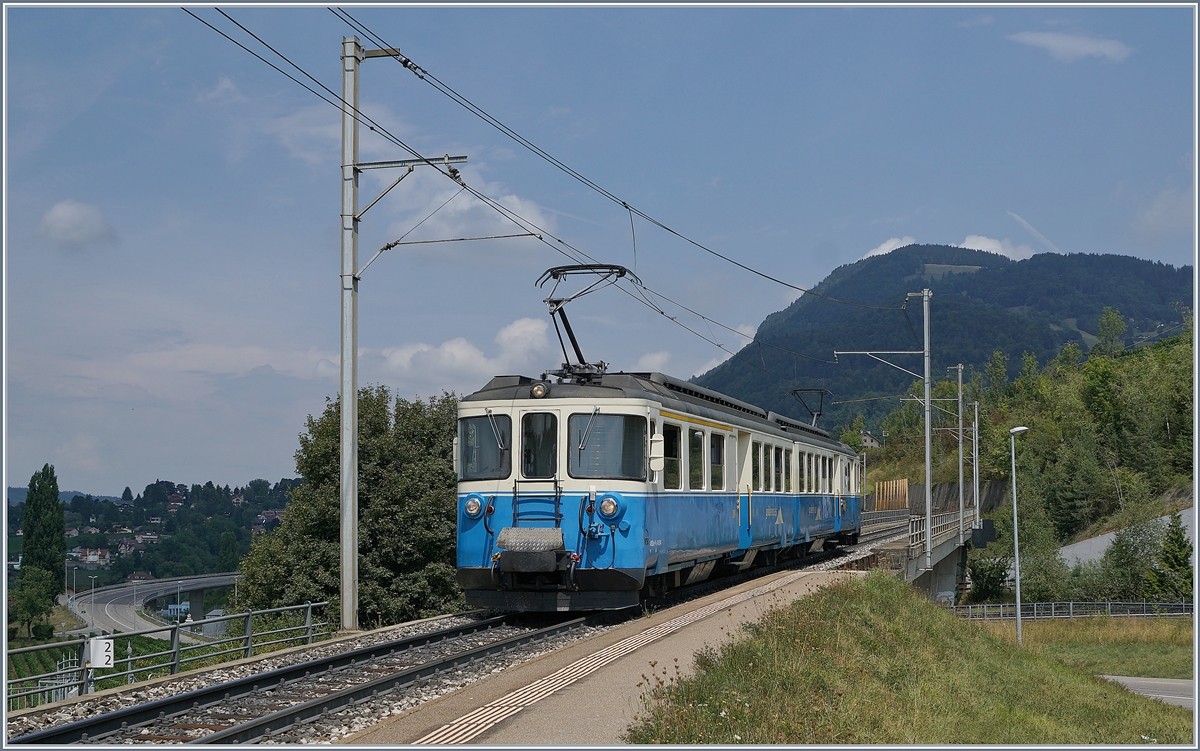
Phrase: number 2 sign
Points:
(100, 653)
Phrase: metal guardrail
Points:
(34, 690)
(870, 518)
(945, 526)
(1046, 610)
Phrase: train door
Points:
(744, 472)
(838, 501)
(537, 493)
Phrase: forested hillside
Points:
(1109, 446)
(982, 302)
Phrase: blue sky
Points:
(171, 243)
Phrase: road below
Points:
(113, 609)
(1180, 692)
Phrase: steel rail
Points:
(105, 723)
(283, 719)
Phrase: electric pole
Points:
(924, 294)
(353, 54)
(959, 368)
(975, 465)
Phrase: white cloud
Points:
(524, 348)
(1072, 47)
(224, 91)
(1004, 247)
(312, 134)
(73, 224)
(653, 361)
(887, 246)
(1171, 213)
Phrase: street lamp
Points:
(1012, 435)
(92, 607)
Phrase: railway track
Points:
(276, 706)
(262, 705)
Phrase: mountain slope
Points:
(982, 302)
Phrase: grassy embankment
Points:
(871, 661)
(1144, 647)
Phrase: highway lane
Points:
(1175, 691)
(114, 606)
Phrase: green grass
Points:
(872, 661)
(1143, 647)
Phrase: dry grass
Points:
(1143, 647)
(1102, 630)
(871, 661)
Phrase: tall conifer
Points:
(45, 533)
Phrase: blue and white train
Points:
(590, 494)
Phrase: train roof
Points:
(662, 388)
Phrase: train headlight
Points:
(473, 507)
(609, 507)
(539, 389)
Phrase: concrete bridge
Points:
(941, 571)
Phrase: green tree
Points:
(34, 599)
(227, 558)
(407, 508)
(852, 434)
(1124, 562)
(1110, 332)
(1170, 578)
(45, 533)
(996, 372)
(127, 495)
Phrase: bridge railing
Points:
(945, 526)
(1045, 610)
(882, 517)
(277, 628)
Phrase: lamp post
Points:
(1012, 436)
(74, 589)
(92, 607)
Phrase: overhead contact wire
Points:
(470, 106)
(538, 232)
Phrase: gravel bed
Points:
(332, 727)
(142, 693)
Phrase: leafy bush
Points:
(407, 509)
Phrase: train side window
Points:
(539, 444)
(716, 458)
(671, 456)
(808, 472)
(778, 469)
(756, 464)
(695, 459)
(787, 471)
